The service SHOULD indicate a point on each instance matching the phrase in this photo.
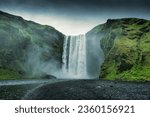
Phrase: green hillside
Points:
(126, 46)
(18, 38)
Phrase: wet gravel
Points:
(17, 89)
(91, 90)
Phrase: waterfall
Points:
(74, 57)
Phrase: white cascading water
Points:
(74, 57)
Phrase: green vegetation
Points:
(126, 45)
(9, 75)
(18, 37)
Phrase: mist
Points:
(95, 54)
(35, 66)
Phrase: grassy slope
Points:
(16, 35)
(9, 74)
(126, 44)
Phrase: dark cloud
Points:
(79, 7)
(79, 13)
(79, 3)
(73, 7)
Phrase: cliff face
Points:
(26, 47)
(117, 50)
(126, 47)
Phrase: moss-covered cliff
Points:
(126, 46)
(18, 38)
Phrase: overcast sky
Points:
(76, 16)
